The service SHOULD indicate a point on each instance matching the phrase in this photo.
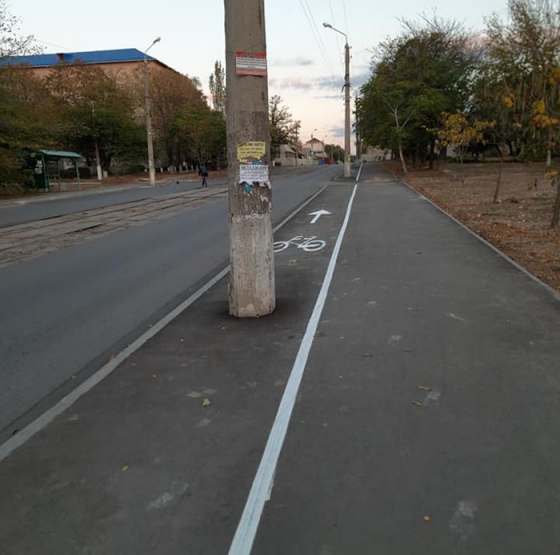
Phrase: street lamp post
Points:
(346, 101)
(151, 167)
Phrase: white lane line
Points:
(264, 478)
(359, 172)
(37, 425)
(10, 445)
(299, 208)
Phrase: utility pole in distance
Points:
(149, 132)
(252, 287)
(347, 172)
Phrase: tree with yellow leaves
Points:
(459, 132)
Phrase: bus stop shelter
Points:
(40, 160)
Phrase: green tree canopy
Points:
(95, 114)
(416, 77)
(217, 86)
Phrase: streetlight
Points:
(346, 100)
(151, 167)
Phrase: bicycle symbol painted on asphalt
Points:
(308, 244)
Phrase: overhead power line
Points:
(309, 16)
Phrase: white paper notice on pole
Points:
(253, 173)
(250, 63)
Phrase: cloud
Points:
(321, 83)
(332, 96)
(298, 62)
(336, 132)
(356, 80)
(293, 83)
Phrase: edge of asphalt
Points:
(40, 422)
(552, 291)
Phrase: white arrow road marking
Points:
(317, 215)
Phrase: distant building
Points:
(314, 149)
(286, 156)
(374, 154)
(121, 63)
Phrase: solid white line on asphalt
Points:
(262, 484)
(66, 402)
(37, 425)
(359, 172)
(299, 208)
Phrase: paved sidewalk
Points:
(426, 421)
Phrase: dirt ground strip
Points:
(518, 224)
(33, 239)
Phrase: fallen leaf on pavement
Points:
(367, 355)
(417, 403)
(206, 403)
(427, 518)
(125, 467)
(424, 388)
(292, 261)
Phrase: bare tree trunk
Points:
(431, 156)
(556, 215)
(98, 162)
(401, 156)
(499, 182)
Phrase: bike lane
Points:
(425, 421)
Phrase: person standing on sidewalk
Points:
(203, 172)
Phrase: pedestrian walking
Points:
(203, 172)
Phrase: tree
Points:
(202, 133)
(524, 58)
(95, 114)
(217, 86)
(416, 77)
(11, 43)
(26, 122)
(23, 104)
(283, 129)
(172, 93)
(460, 133)
(335, 152)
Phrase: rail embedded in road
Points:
(22, 241)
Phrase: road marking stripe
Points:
(10, 445)
(359, 172)
(264, 479)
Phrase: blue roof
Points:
(95, 57)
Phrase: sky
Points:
(305, 60)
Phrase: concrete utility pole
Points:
(149, 132)
(358, 133)
(252, 287)
(347, 172)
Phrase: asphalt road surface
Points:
(64, 314)
(40, 207)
